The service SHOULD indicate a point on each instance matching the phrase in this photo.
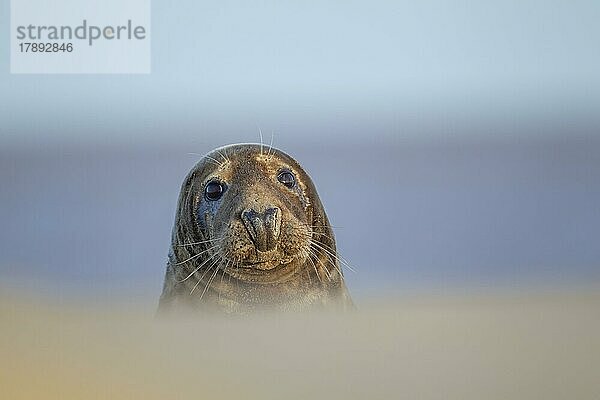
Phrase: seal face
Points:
(251, 233)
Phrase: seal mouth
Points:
(262, 272)
(261, 260)
(264, 265)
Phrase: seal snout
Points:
(263, 228)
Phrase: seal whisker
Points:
(316, 226)
(308, 235)
(197, 283)
(269, 155)
(210, 281)
(317, 261)
(225, 159)
(314, 266)
(332, 252)
(197, 269)
(226, 155)
(229, 276)
(222, 276)
(305, 255)
(271, 152)
(335, 255)
(340, 258)
(201, 242)
(196, 255)
(219, 163)
(261, 140)
(327, 253)
(216, 262)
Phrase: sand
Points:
(513, 345)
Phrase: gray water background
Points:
(408, 215)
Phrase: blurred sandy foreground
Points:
(543, 345)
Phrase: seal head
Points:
(250, 232)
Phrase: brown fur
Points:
(214, 264)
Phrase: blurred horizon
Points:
(441, 215)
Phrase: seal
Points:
(251, 234)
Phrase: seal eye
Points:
(287, 178)
(214, 190)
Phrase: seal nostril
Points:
(263, 228)
(255, 227)
(273, 223)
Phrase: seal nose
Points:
(263, 227)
